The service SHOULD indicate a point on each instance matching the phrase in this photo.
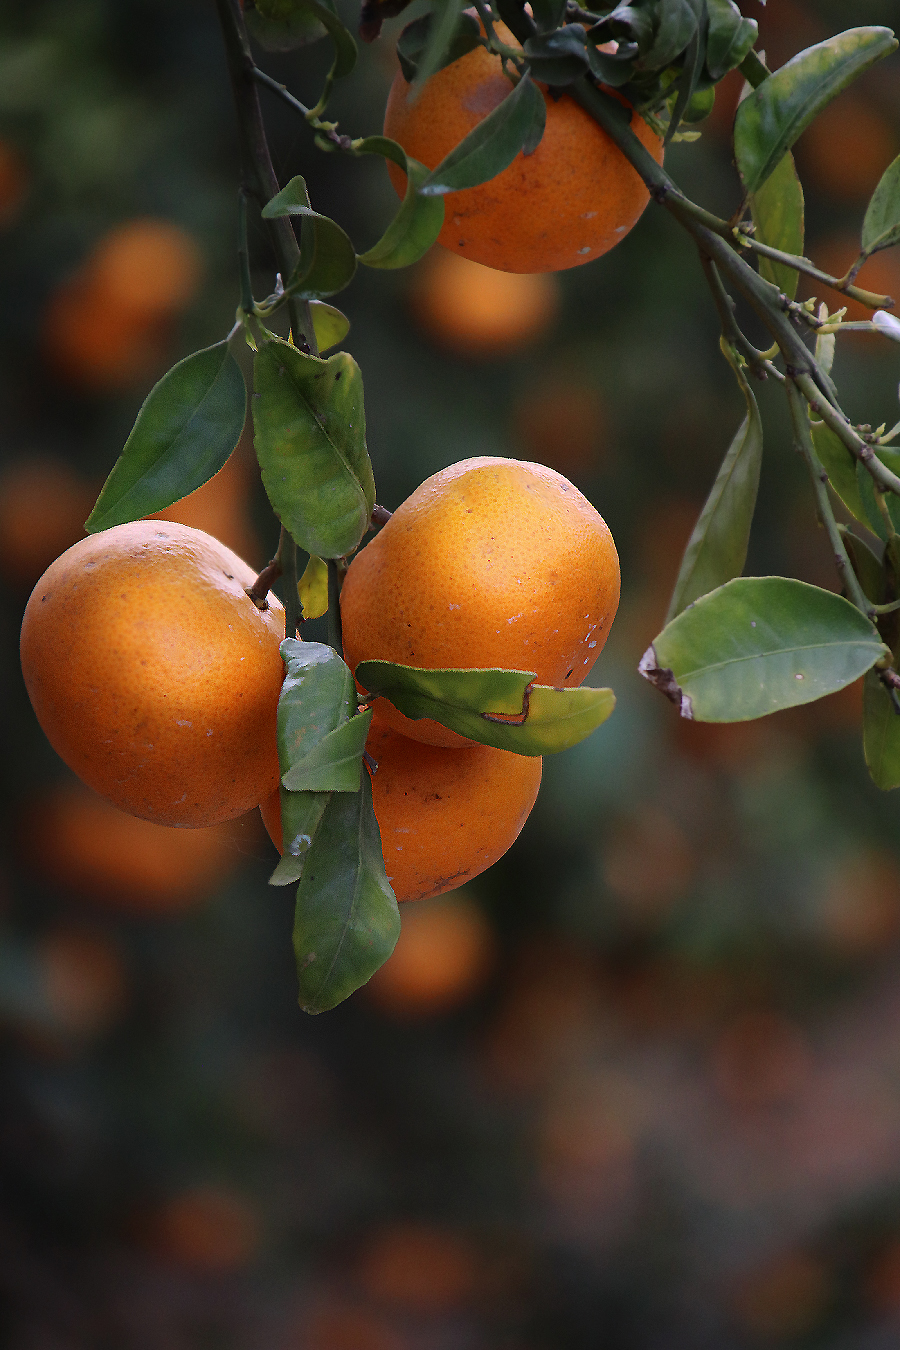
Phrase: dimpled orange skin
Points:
(569, 202)
(154, 676)
(445, 815)
(489, 563)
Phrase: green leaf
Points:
(866, 485)
(334, 763)
(717, 549)
(318, 695)
(840, 466)
(881, 225)
(329, 324)
(414, 228)
(777, 210)
(188, 426)
(881, 734)
(347, 921)
(313, 589)
(501, 708)
(558, 58)
(548, 14)
(282, 25)
(686, 84)
(327, 257)
(491, 146)
(730, 38)
(439, 42)
(770, 119)
(413, 43)
(310, 439)
(759, 644)
(676, 23)
(301, 815)
(868, 568)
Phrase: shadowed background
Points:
(639, 1085)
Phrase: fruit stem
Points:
(259, 172)
(259, 591)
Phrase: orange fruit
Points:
(121, 861)
(847, 147)
(570, 201)
(207, 1228)
(442, 958)
(445, 815)
(153, 674)
(107, 325)
(478, 311)
(490, 563)
(420, 1268)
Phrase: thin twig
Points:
(809, 269)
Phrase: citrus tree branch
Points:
(842, 284)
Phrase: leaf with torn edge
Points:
(501, 708)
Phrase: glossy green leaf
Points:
(188, 426)
(412, 44)
(310, 439)
(686, 84)
(778, 214)
(329, 324)
(501, 708)
(301, 815)
(558, 58)
(730, 38)
(872, 516)
(440, 40)
(313, 589)
(414, 228)
(318, 694)
(334, 763)
(327, 257)
(881, 225)
(717, 548)
(770, 119)
(347, 921)
(758, 644)
(676, 23)
(840, 466)
(881, 734)
(491, 146)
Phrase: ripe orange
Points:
(153, 674)
(445, 815)
(570, 201)
(477, 311)
(490, 563)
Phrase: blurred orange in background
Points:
(418, 1267)
(859, 906)
(44, 503)
(205, 1228)
(476, 311)
(443, 958)
(83, 981)
(759, 1060)
(559, 420)
(647, 863)
(847, 148)
(80, 842)
(106, 326)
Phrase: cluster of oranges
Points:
(165, 702)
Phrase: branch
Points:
(842, 284)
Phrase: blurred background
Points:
(639, 1085)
